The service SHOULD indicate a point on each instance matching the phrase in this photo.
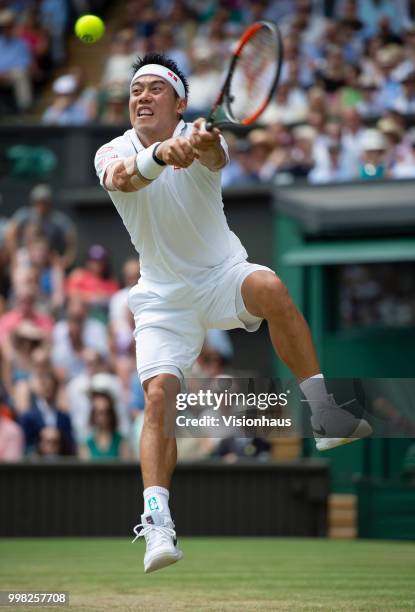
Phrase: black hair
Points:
(163, 60)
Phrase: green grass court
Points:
(217, 574)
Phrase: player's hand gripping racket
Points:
(252, 78)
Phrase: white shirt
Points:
(177, 223)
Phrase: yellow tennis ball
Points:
(89, 28)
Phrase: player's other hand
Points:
(177, 152)
(201, 139)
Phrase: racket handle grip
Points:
(209, 126)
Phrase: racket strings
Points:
(254, 74)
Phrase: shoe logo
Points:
(149, 519)
(321, 431)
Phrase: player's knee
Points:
(155, 405)
(273, 296)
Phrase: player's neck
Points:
(150, 136)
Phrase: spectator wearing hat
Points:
(105, 441)
(373, 147)
(15, 62)
(369, 106)
(43, 412)
(72, 336)
(68, 107)
(93, 283)
(397, 147)
(54, 224)
(387, 60)
(77, 394)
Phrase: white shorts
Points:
(169, 333)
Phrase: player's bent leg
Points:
(158, 460)
(266, 296)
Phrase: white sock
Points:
(156, 499)
(315, 391)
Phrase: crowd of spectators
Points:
(342, 111)
(33, 43)
(69, 385)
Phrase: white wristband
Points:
(147, 165)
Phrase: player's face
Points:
(153, 104)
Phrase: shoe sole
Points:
(363, 430)
(162, 560)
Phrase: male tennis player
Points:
(163, 176)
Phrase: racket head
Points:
(252, 78)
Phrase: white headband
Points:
(163, 72)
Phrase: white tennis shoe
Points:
(160, 536)
(342, 426)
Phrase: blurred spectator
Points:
(17, 352)
(405, 168)
(93, 283)
(352, 134)
(215, 356)
(54, 17)
(72, 335)
(43, 412)
(334, 171)
(55, 224)
(234, 173)
(289, 105)
(405, 102)
(69, 107)
(15, 62)
(369, 106)
(121, 323)
(11, 437)
(115, 110)
(34, 34)
(117, 69)
(165, 42)
(105, 441)
(48, 269)
(372, 11)
(372, 164)
(332, 74)
(25, 307)
(51, 444)
(202, 82)
(396, 147)
(96, 375)
(387, 60)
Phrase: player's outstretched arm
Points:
(208, 145)
(136, 172)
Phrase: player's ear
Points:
(181, 105)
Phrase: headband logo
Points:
(172, 76)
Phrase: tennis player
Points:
(163, 176)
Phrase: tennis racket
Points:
(252, 77)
